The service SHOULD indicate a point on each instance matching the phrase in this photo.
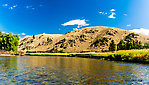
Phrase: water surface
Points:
(70, 70)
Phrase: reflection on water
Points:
(70, 70)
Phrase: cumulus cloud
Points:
(128, 25)
(5, 5)
(27, 36)
(12, 7)
(78, 22)
(3, 32)
(112, 10)
(141, 30)
(100, 12)
(112, 15)
(23, 34)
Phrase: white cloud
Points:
(78, 22)
(28, 7)
(5, 5)
(12, 7)
(23, 34)
(3, 32)
(104, 13)
(141, 30)
(125, 15)
(100, 12)
(44, 33)
(27, 36)
(112, 15)
(75, 28)
(112, 10)
(128, 25)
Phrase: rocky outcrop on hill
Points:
(83, 40)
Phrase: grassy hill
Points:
(83, 40)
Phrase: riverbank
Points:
(7, 55)
(138, 56)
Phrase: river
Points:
(70, 70)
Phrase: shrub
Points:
(112, 46)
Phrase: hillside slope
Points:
(33, 43)
(84, 40)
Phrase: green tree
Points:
(121, 45)
(140, 46)
(129, 44)
(9, 42)
(33, 36)
(112, 46)
(146, 45)
(48, 39)
(136, 44)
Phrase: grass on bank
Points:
(141, 56)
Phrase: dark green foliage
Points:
(140, 45)
(146, 45)
(49, 39)
(136, 44)
(8, 42)
(129, 44)
(33, 36)
(112, 46)
(121, 45)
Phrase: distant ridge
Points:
(83, 40)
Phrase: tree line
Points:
(126, 45)
(9, 42)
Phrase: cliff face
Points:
(82, 40)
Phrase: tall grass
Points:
(141, 56)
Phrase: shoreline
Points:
(135, 56)
(7, 55)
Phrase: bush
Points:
(112, 46)
(146, 45)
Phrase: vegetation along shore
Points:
(137, 56)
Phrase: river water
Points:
(70, 70)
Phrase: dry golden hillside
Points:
(38, 42)
(83, 40)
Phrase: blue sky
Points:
(32, 17)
